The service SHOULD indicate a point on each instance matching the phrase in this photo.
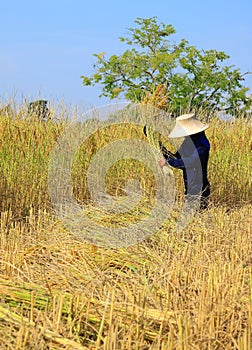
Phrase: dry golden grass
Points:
(159, 97)
(189, 290)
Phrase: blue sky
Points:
(47, 45)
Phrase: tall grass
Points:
(190, 290)
(26, 145)
(230, 163)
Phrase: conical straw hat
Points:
(187, 125)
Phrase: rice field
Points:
(172, 291)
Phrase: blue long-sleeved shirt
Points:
(192, 158)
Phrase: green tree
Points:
(195, 79)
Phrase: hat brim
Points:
(179, 131)
(187, 125)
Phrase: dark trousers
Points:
(202, 197)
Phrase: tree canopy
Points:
(191, 78)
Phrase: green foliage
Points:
(195, 78)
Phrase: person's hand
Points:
(162, 162)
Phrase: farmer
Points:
(191, 157)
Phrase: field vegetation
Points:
(189, 290)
